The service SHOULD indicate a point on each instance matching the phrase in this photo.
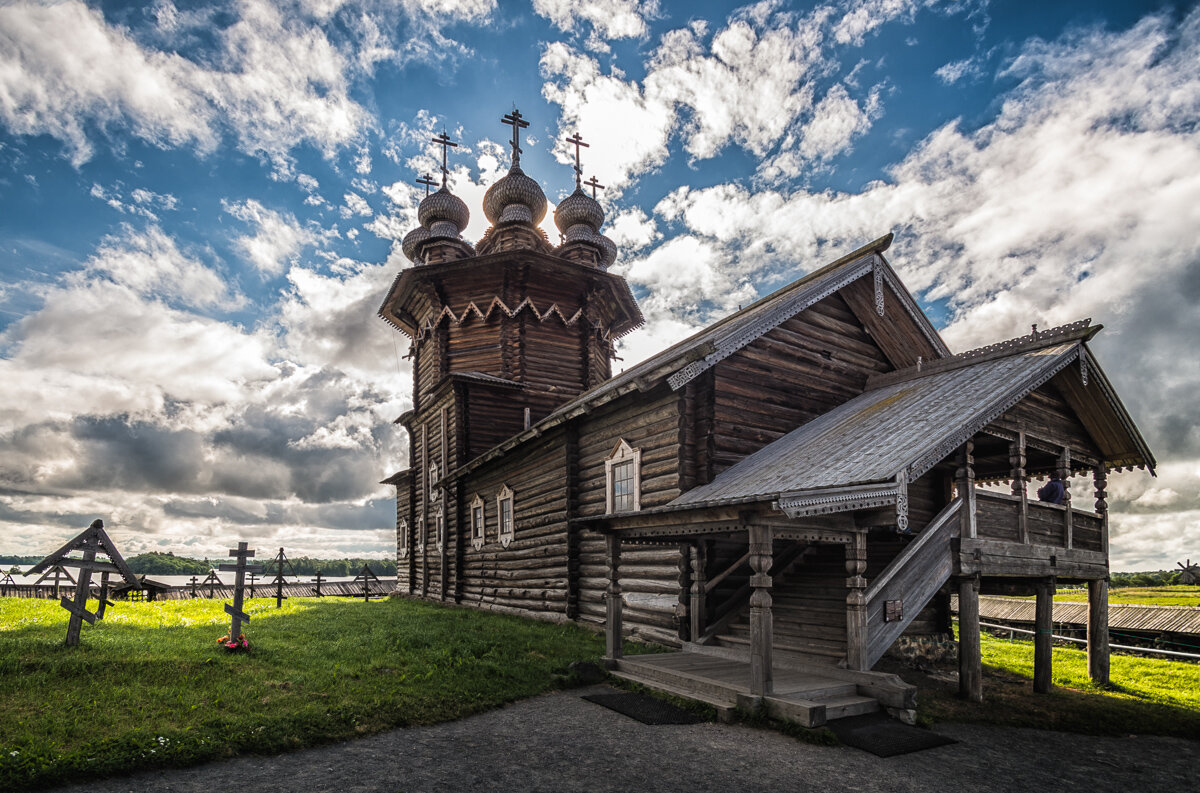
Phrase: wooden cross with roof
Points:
(577, 141)
(518, 123)
(366, 576)
(444, 141)
(91, 542)
(237, 616)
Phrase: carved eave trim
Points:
(829, 500)
(1098, 378)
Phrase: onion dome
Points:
(578, 209)
(443, 213)
(515, 198)
(610, 250)
(412, 242)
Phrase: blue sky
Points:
(200, 208)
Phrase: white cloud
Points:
(277, 239)
(954, 71)
(355, 205)
(139, 202)
(607, 19)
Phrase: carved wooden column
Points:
(966, 489)
(683, 621)
(761, 629)
(613, 638)
(1020, 482)
(1064, 473)
(970, 657)
(1097, 627)
(1043, 637)
(1100, 480)
(696, 609)
(856, 603)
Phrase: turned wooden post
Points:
(683, 623)
(1097, 631)
(613, 639)
(965, 476)
(970, 657)
(761, 629)
(696, 607)
(1100, 480)
(856, 603)
(1020, 481)
(1064, 473)
(1043, 637)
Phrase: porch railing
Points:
(998, 517)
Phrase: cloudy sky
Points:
(200, 208)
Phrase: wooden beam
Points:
(970, 658)
(1097, 631)
(1043, 639)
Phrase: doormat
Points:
(645, 709)
(883, 736)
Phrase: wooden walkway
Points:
(1152, 619)
(808, 696)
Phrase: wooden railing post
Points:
(1097, 631)
(613, 638)
(696, 609)
(856, 603)
(966, 489)
(1064, 473)
(1020, 482)
(762, 636)
(970, 657)
(1043, 638)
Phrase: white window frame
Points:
(506, 536)
(421, 537)
(623, 453)
(434, 479)
(402, 545)
(478, 522)
(439, 522)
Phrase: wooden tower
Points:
(502, 333)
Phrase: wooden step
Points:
(816, 654)
(844, 707)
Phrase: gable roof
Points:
(899, 430)
(685, 360)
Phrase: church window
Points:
(433, 483)
(478, 537)
(504, 513)
(421, 538)
(439, 519)
(623, 477)
(402, 538)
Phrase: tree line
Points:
(156, 563)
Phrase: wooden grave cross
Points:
(366, 576)
(59, 572)
(92, 541)
(5, 583)
(103, 596)
(193, 582)
(237, 616)
(278, 580)
(319, 584)
(212, 581)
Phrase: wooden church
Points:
(781, 497)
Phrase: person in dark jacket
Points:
(1053, 492)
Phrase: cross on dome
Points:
(518, 123)
(592, 183)
(426, 180)
(576, 140)
(444, 141)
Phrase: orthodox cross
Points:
(237, 616)
(366, 575)
(444, 141)
(577, 141)
(319, 584)
(280, 560)
(427, 180)
(592, 183)
(213, 580)
(193, 586)
(5, 583)
(59, 573)
(94, 540)
(518, 123)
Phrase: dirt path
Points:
(559, 742)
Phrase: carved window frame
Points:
(434, 479)
(402, 538)
(506, 515)
(439, 522)
(422, 539)
(478, 522)
(623, 454)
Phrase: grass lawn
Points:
(149, 686)
(1148, 696)
(1141, 596)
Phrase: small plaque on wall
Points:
(893, 610)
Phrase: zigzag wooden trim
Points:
(435, 316)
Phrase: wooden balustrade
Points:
(1055, 525)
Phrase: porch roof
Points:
(903, 427)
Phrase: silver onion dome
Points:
(578, 209)
(515, 197)
(443, 213)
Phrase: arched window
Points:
(478, 537)
(505, 515)
(623, 476)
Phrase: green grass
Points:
(1141, 596)
(149, 686)
(1147, 696)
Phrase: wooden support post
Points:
(966, 489)
(762, 636)
(683, 623)
(856, 603)
(1043, 637)
(970, 657)
(1100, 479)
(1097, 631)
(1064, 472)
(699, 619)
(613, 638)
(1020, 484)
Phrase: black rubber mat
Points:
(883, 736)
(645, 709)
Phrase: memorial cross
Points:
(193, 587)
(5, 583)
(213, 581)
(319, 584)
(237, 616)
(577, 141)
(103, 596)
(278, 581)
(518, 123)
(366, 575)
(59, 573)
(444, 141)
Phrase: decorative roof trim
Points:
(435, 317)
(838, 499)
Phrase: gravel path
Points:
(559, 742)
